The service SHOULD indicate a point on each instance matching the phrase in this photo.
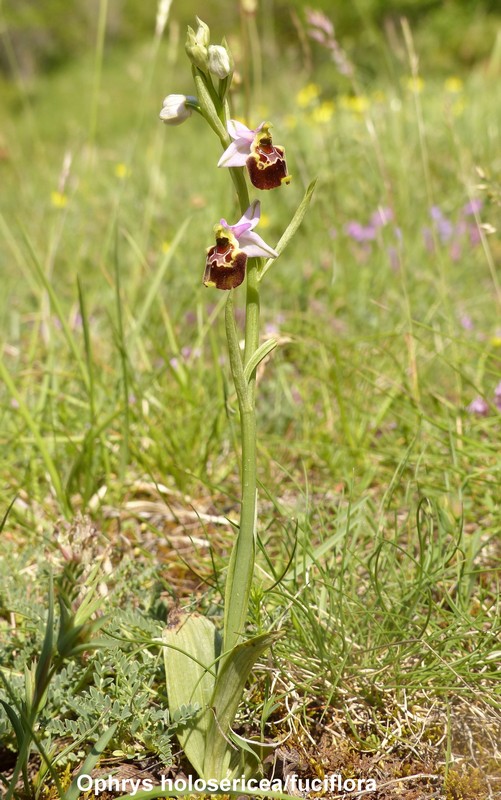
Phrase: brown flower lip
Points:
(225, 265)
(266, 165)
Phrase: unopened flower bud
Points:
(176, 108)
(203, 33)
(197, 43)
(219, 61)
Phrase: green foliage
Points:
(122, 692)
(117, 685)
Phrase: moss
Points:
(465, 783)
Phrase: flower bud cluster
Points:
(208, 58)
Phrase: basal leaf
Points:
(190, 657)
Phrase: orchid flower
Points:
(254, 149)
(227, 259)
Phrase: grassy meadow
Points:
(378, 414)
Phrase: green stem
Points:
(241, 567)
(210, 107)
(238, 178)
(252, 317)
(252, 290)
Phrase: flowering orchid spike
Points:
(227, 259)
(254, 149)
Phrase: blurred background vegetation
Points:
(450, 35)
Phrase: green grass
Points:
(380, 492)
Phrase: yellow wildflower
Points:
(307, 95)
(165, 247)
(357, 103)
(323, 113)
(453, 85)
(58, 199)
(415, 84)
(122, 171)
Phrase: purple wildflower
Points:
(473, 207)
(445, 230)
(455, 233)
(359, 232)
(381, 217)
(271, 329)
(475, 237)
(479, 407)
(191, 352)
(445, 227)
(436, 213)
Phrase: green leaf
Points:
(15, 722)
(190, 655)
(291, 228)
(90, 762)
(228, 690)
(47, 654)
(258, 356)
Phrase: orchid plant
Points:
(207, 672)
